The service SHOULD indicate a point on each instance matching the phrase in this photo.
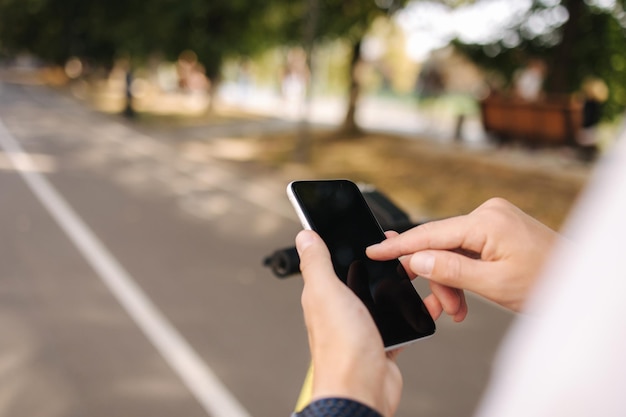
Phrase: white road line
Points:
(197, 376)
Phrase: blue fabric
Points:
(337, 407)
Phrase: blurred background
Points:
(145, 148)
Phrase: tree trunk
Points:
(212, 71)
(214, 83)
(350, 126)
(302, 150)
(561, 79)
(129, 110)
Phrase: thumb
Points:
(450, 269)
(321, 285)
(315, 263)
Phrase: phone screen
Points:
(337, 211)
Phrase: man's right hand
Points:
(511, 248)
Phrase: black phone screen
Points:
(337, 211)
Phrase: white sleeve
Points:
(567, 355)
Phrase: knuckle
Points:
(497, 212)
(310, 297)
(306, 261)
(496, 203)
(305, 299)
(421, 237)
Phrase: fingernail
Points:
(422, 264)
(374, 246)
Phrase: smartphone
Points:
(338, 212)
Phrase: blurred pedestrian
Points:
(430, 86)
(528, 81)
(595, 92)
(430, 82)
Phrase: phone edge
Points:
(297, 207)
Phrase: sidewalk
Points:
(390, 116)
(374, 114)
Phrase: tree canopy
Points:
(101, 30)
(55, 30)
(575, 38)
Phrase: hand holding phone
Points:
(337, 211)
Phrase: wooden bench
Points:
(552, 121)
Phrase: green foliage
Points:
(98, 30)
(101, 30)
(352, 18)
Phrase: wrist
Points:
(337, 407)
(355, 390)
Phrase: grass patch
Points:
(430, 180)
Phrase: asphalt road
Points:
(131, 280)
